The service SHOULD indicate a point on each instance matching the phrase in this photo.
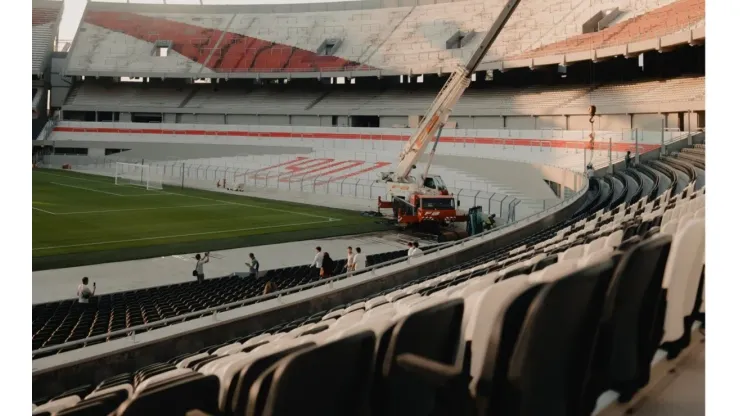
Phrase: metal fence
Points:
(209, 177)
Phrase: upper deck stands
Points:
(44, 20)
(125, 38)
(674, 17)
(534, 100)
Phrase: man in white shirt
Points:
(410, 253)
(359, 261)
(417, 251)
(83, 291)
(317, 260)
(200, 261)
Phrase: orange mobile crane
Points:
(428, 200)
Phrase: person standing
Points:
(200, 261)
(327, 266)
(417, 250)
(317, 260)
(410, 251)
(350, 260)
(84, 293)
(254, 266)
(628, 160)
(359, 261)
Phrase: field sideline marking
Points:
(44, 211)
(79, 178)
(87, 189)
(137, 209)
(184, 235)
(199, 197)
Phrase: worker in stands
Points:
(200, 261)
(359, 261)
(350, 260)
(317, 259)
(628, 160)
(254, 266)
(84, 293)
(327, 266)
(417, 250)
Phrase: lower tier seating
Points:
(541, 327)
(55, 323)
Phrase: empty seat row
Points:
(58, 322)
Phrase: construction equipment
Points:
(429, 196)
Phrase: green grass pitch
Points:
(86, 219)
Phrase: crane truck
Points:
(428, 199)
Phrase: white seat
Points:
(595, 256)
(394, 296)
(594, 246)
(186, 361)
(685, 219)
(478, 285)
(226, 374)
(554, 271)
(229, 349)
(354, 307)
(379, 310)
(349, 318)
(483, 312)
(682, 275)
(57, 405)
(126, 386)
(258, 339)
(161, 377)
(669, 228)
(574, 252)
(374, 302)
(334, 314)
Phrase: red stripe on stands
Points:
(557, 144)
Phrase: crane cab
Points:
(435, 183)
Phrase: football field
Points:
(86, 219)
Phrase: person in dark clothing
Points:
(628, 160)
(254, 266)
(327, 266)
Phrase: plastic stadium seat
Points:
(101, 404)
(331, 379)
(682, 275)
(427, 335)
(631, 301)
(187, 392)
(238, 394)
(544, 349)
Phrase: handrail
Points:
(631, 173)
(372, 269)
(649, 172)
(667, 171)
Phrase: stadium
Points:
(547, 158)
